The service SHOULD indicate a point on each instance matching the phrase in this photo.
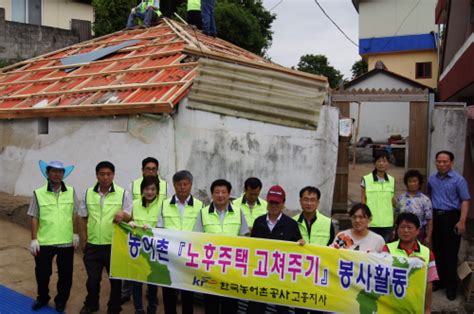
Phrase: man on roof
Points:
(147, 11)
(53, 210)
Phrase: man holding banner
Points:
(277, 226)
(220, 217)
(314, 226)
(104, 205)
(180, 212)
(408, 228)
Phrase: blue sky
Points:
(301, 28)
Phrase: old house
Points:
(194, 102)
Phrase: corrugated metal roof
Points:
(257, 94)
(150, 76)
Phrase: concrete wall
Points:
(57, 13)
(209, 145)
(449, 133)
(404, 63)
(383, 18)
(215, 146)
(20, 41)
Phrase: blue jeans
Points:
(152, 297)
(207, 13)
(146, 17)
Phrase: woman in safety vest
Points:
(145, 215)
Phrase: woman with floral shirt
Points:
(413, 201)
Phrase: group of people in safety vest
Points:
(60, 223)
(200, 13)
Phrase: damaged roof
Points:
(130, 71)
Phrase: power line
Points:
(271, 9)
(337, 26)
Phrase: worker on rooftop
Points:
(147, 10)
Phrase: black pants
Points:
(194, 18)
(446, 246)
(152, 296)
(169, 300)
(44, 269)
(219, 305)
(260, 308)
(96, 257)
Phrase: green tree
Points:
(319, 64)
(111, 16)
(359, 67)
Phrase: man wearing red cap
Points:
(277, 226)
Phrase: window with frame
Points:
(423, 70)
(27, 11)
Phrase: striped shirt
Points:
(448, 191)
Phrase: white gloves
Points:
(34, 247)
(132, 224)
(75, 240)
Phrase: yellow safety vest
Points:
(55, 215)
(100, 220)
(320, 230)
(250, 215)
(147, 3)
(395, 250)
(147, 215)
(379, 199)
(136, 193)
(229, 226)
(194, 5)
(172, 218)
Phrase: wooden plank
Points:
(379, 97)
(418, 136)
(97, 89)
(257, 64)
(87, 110)
(158, 54)
(105, 73)
(341, 186)
(344, 108)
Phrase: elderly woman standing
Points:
(414, 201)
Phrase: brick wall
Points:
(19, 41)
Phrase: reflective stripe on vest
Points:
(136, 193)
(147, 215)
(55, 216)
(251, 214)
(379, 199)
(172, 218)
(194, 5)
(320, 230)
(146, 3)
(100, 220)
(424, 251)
(229, 226)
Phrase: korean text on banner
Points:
(312, 277)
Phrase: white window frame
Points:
(27, 11)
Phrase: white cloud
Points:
(301, 28)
